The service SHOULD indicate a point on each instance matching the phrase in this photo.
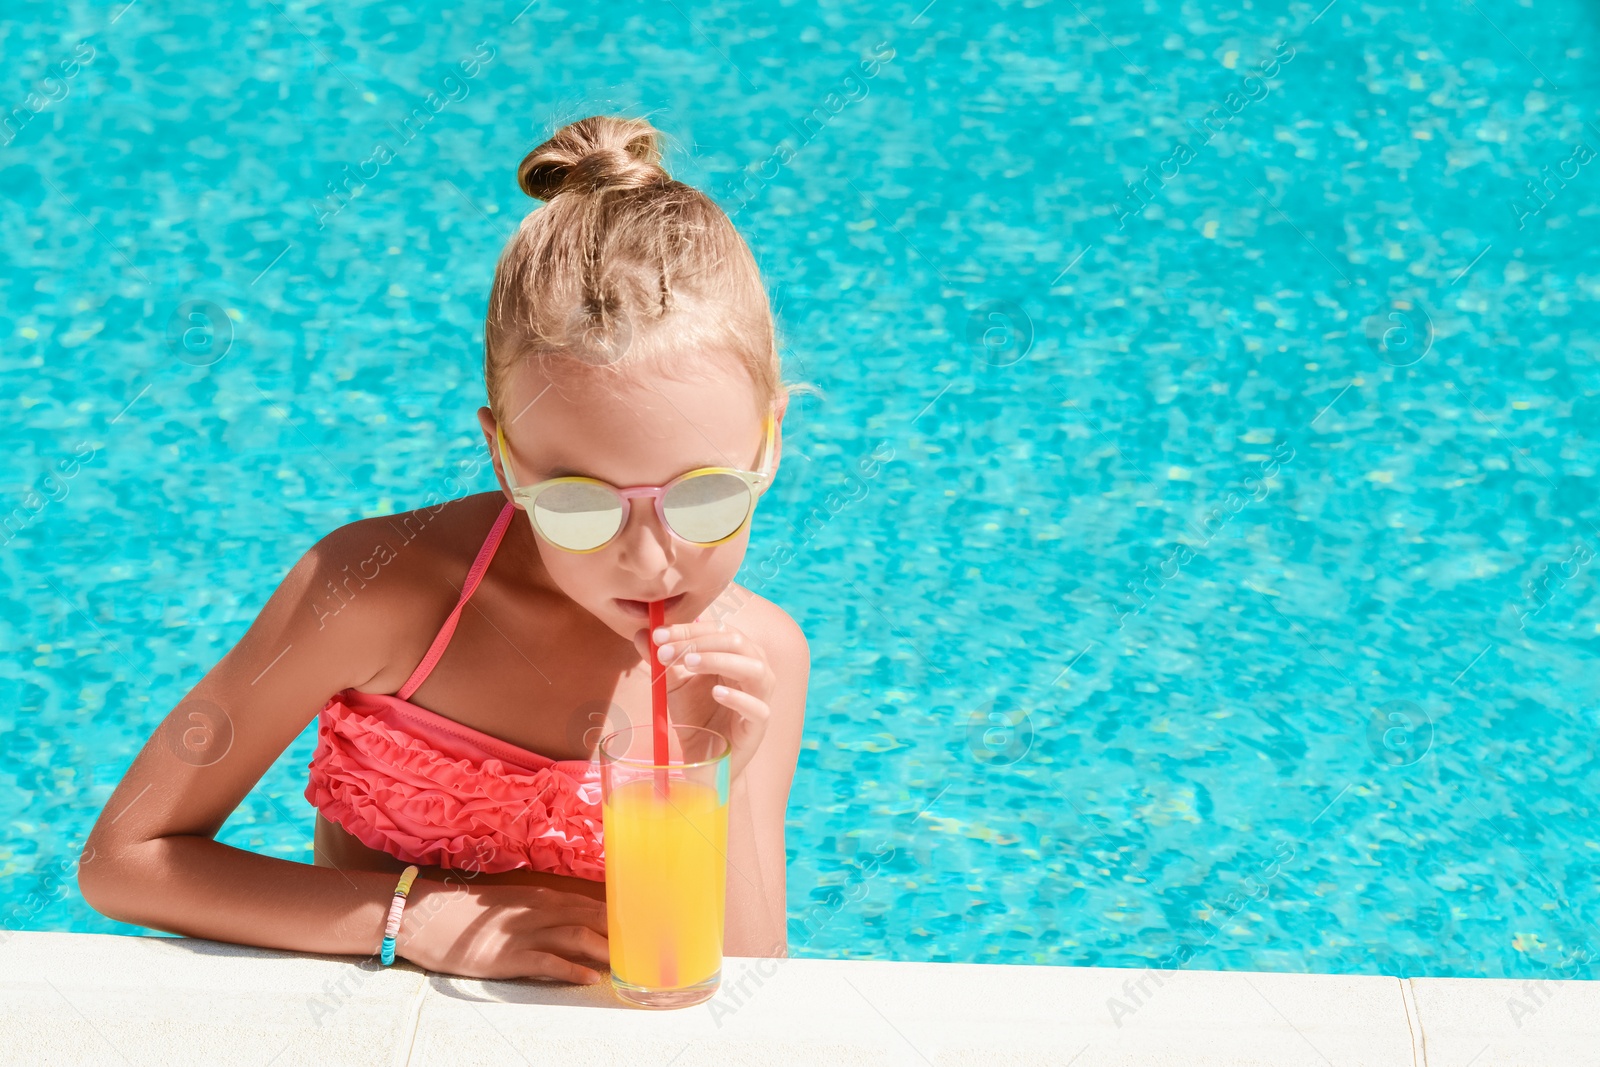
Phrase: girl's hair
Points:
(623, 265)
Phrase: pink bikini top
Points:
(428, 790)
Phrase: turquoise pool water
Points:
(1223, 595)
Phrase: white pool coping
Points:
(105, 999)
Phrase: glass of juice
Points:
(666, 856)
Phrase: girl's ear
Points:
(486, 421)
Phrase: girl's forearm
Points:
(198, 887)
(757, 913)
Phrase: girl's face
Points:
(646, 430)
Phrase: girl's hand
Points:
(504, 931)
(740, 679)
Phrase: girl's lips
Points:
(642, 609)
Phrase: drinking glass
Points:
(666, 849)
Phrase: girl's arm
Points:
(152, 858)
(757, 916)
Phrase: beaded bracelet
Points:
(391, 929)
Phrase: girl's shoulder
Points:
(443, 534)
(396, 577)
(765, 623)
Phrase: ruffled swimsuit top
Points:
(428, 790)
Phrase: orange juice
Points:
(666, 885)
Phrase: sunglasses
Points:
(706, 506)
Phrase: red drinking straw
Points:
(658, 697)
(658, 700)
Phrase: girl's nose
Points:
(644, 546)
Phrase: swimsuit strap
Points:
(474, 576)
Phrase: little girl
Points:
(481, 648)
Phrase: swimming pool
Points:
(1195, 541)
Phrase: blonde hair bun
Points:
(622, 265)
(599, 152)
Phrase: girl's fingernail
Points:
(692, 659)
(664, 653)
(719, 690)
(661, 634)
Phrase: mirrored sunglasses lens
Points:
(577, 515)
(707, 507)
